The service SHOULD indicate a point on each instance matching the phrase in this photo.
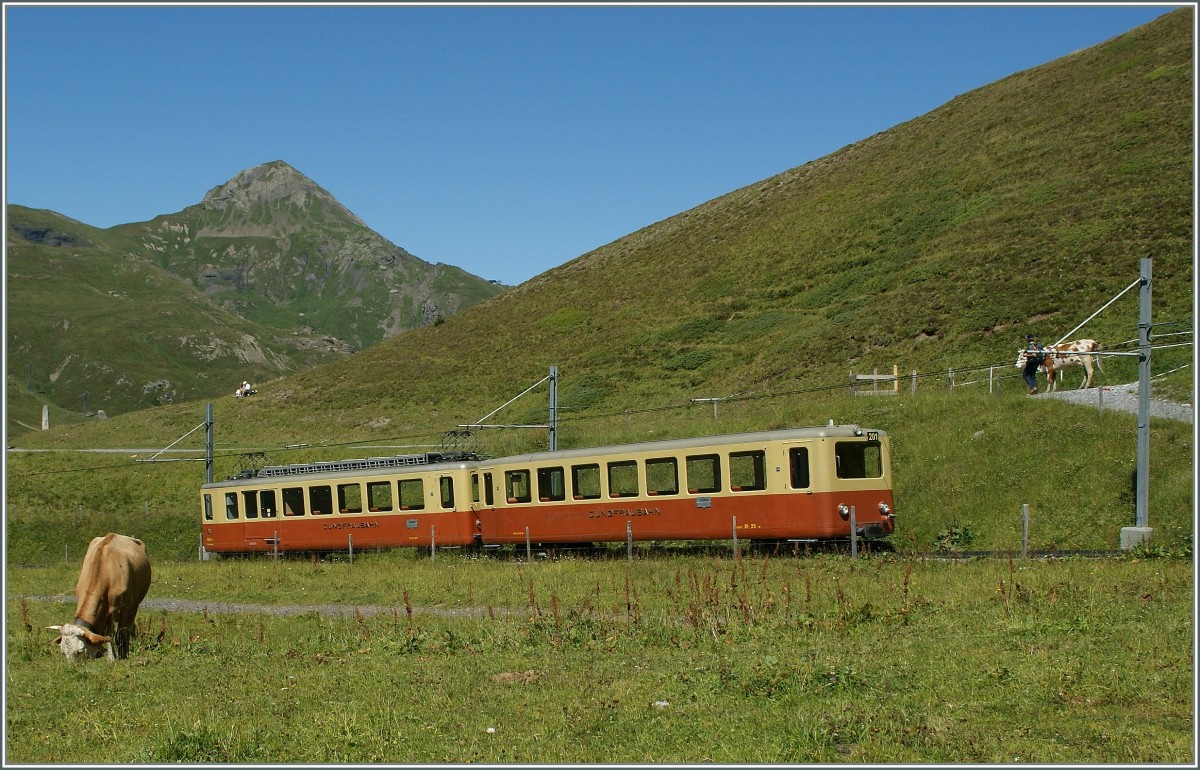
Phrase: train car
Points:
(796, 484)
(799, 484)
(409, 500)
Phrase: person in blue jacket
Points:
(1035, 356)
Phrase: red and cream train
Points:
(795, 484)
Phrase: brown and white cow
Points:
(1067, 355)
(112, 583)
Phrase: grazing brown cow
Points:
(114, 580)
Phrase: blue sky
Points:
(506, 140)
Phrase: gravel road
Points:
(1123, 398)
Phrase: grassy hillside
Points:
(1021, 207)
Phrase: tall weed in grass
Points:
(686, 659)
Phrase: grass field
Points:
(685, 659)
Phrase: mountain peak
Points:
(275, 184)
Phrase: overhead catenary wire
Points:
(744, 396)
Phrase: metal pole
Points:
(350, 546)
(553, 408)
(735, 548)
(1024, 530)
(1143, 438)
(208, 444)
(432, 542)
(853, 534)
(528, 547)
(629, 540)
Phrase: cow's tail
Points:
(1099, 358)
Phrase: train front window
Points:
(662, 476)
(798, 459)
(349, 498)
(747, 471)
(267, 498)
(859, 459)
(516, 486)
(250, 503)
(703, 474)
(320, 500)
(552, 484)
(207, 507)
(293, 501)
(585, 481)
(622, 479)
(231, 506)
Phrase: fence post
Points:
(1099, 399)
(350, 545)
(735, 544)
(853, 534)
(1024, 530)
(629, 541)
(950, 379)
(851, 382)
(433, 542)
(914, 382)
(528, 547)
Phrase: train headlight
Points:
(885, 510)
(844, 510)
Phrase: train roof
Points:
(668, 445)
(435, 462)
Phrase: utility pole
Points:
(553, 408)
(1141, 531)
(208, 443)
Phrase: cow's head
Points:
(78, 643)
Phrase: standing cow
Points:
(1067, 355)
(114, 580)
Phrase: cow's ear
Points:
(94, 638)
(57, 641)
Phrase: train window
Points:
(250, 503)
(703, 474)
(585, 481)
(859, 459)
(349, 498)
(379, 496)
(293, 501)
(747, 471)
(231, 508)
(489, 498)
(412, 494)
(798, 457)
(446, 483)
(622, 479)
(662, 476)
(267, 498)
(208, 507)
(474, 487)
(516, 486)
(320, 499)
(552, 484)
